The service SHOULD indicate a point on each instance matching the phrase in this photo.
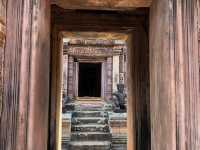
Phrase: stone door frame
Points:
(174, 76)
(136, 48)
(90, 60)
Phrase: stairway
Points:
(90, 130)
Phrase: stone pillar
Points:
(109, 77)
(71, 76)
(163, 123)
(174, 75)
(121, 69)
(76, 78)
(2, 43)
(65, 74)
(116, 66)
(103, 81)
(125, 67)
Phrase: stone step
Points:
(90, 114)
(90, 128)
(91, 136)
(78, 108)
(90, 145)
(119, 147)
(89, 120)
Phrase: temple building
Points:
(93, 69)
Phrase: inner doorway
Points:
(105, 47)
(89, 84)
(94, 79)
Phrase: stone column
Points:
(76, 78)
(65, 74)
(2, 42)
(121, 69)
(125, 57)
(70, 76)
(174, 75)
(116, 72)
(103, 81)
(109, 70)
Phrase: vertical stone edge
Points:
(2, 46)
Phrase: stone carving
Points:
(96, 48)
(119, 99)
(88, 51)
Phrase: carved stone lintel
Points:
(93, 51)
(96, 48)
(88, 51)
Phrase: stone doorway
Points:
(173, 65)
(136, 28)
(89, 80)
(94, 66)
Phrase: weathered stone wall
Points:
(2, 42)
(174, 75)
(24, 117)
(2, 22)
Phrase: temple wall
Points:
(174, 75)
(2, 22)
(24, 117)
(2, 45)
(102, 51)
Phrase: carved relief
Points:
(96, 51)
(88, 51)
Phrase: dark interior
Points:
(89, 80)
